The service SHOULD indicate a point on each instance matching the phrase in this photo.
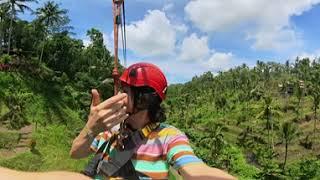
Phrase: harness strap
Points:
(112, 166)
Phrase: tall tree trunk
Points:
(10, 27)
(268, 123)
(268, 136)
(10, 34)
(44, 39)
(272, 144)
(1, 36)
(0, 108)
(285, 157)
(314, 127)
(287, 100)
(42, 49)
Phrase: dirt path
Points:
(25, 134)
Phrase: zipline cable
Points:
(124, 36)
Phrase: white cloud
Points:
(168, 6)
(181, 28)
(152, 36)
(86, 42)
(220, 61)
(311, 55)
(194, 48)
(179, 72)
(276, 39)
(108, 42)
(269, 18)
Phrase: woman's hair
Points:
(146, 98)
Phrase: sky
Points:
(186, 38)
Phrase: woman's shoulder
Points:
(168, 130)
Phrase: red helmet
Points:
(145, 74)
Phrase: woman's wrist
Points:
(89, 133)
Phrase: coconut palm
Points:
(15, 6)
(288, 131)
(52, 18)
(269, 111)
(214, 139)
(315, 93)
(4, 15)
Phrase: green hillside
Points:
(242, 119)
(255, 123)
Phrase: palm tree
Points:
(4, 12)
(15, 7)
(221, 102)
(268, 112)
(52, 18)
(214, 139)
(288, 131)
(299, 94)
(315, 92)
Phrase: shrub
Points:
(5, 59)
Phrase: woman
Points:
(148, 147)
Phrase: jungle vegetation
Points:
(256, 122)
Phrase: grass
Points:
(8, 139)
(24, 162)
(54, 143)
(57, 127)
(51, 152)
(3, 109)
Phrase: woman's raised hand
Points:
(103, 116)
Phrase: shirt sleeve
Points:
(180, 153)
(99, 140)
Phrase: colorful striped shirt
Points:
(166, 146)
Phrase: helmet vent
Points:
(133, 73)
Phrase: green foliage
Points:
(269, 167)
(238, 165)
(5, 59)
(24, 162)
(8, 139)
(53, 143)
(221, 114)
(237, 99)
(52, 17)
(289, 131)
(305, 169)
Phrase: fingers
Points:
(115, 118)
(116, 121)
(95, 97)
(111, 101)
(116, 110)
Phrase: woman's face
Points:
(136, 119)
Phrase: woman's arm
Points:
(203, 172)
(81, 144)
(19, 175)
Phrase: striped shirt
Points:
(166, 146)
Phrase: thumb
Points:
(95, 97)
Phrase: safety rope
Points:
(123, 35)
